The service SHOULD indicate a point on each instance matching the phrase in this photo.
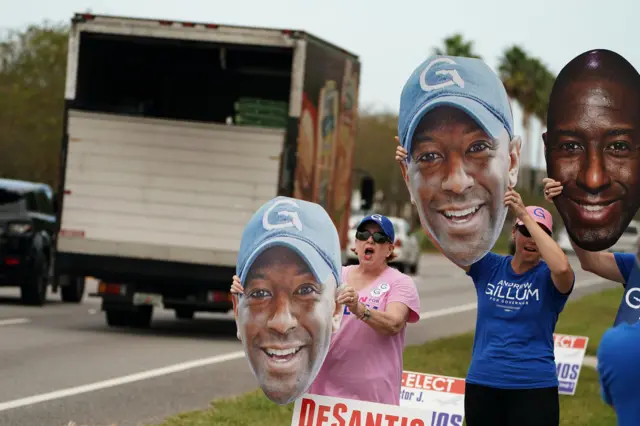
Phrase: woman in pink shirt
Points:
(365, 358)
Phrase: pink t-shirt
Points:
(363, 364)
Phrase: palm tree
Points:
(455, 45)
(517, 71)
(528, 82)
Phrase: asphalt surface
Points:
(61, 364)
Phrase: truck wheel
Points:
(140, 318)
(117, 318)
(74, 290)
(184, 314)
(33, 290)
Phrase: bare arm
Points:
(389, 322)
(600, 263)
(561, 272)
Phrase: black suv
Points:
(27, 231)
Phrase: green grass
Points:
(588, 316)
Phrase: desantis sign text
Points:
(315, 410)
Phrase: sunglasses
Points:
(378, 237)
(524, 231)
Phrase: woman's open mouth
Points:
(368, 253)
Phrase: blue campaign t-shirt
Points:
(517, 314)
(618, 356)
(629, 310)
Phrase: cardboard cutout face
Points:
(285, 320)
(457, 176)
(592, 147)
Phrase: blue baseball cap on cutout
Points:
(464, 83)
(299, 225)
(383, 221)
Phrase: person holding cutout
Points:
(512, 378)
(379, 302)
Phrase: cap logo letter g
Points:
(455, 77)
(294, 221)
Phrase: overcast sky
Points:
(393, 37)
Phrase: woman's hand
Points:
(349, 297)
(236, 287)
(513, 200)
(552, 188)
(401, 153)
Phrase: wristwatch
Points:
(366, 314)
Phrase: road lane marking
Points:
(448, 311)
(14, 321)
(184, 366)
(118, 381)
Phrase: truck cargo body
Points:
(175, 133)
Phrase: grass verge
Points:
(588, 316)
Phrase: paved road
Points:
(61, 363)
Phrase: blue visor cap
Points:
(301, 226)
(464, 83)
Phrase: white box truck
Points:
(174, 134)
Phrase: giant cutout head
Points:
(592, 146)
(457, 126)
(289, 265)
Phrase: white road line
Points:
(448, 311)
(118, 381)
(176, 368)
(14, 321)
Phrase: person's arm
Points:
(389, 322)
(403, 305)
(562, 274)
(600, 263)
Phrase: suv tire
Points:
(33, 290)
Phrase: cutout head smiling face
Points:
(289, 264)
(456, 124)
(592, 147)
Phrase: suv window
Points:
(32, 202)
(10, 201)
(631, 230)
(44, 202)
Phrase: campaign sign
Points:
(569, 352)
(316, 410)
(441, 394)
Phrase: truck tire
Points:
(73, 292)
(33, 290)
(140, 318)
(185, 314)
(117, 318)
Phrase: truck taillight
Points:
(398, 243)
(211, 26)
(87, 16)
(188, 24)
(167, 23)
(110, 288)
(287, 32)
